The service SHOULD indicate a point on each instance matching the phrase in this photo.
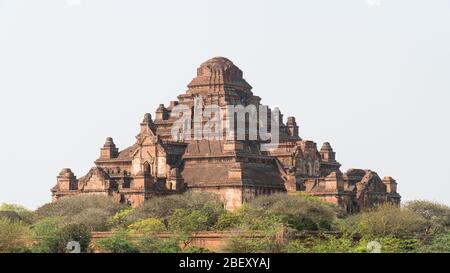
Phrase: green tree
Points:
(92, 211)
(147, 226)
(439, 244)
(298, 211)
(120, 218)
(119, 242)
(385, 221)
(15, 236)
(46, 232)
(71, 233)
(228, 220)
(163, 207)
(437, 215)
(186, 221)
(16, 212)
(151, 244)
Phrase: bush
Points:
(147, 226)
(150, 244)
(325, 244)
(120, 218)
(46, 231)
(16, 212)
(92, 218)
(15, 236)
(73, 205)
(439, 244)
(185, 221)
(228, 220)
(164, 207)
(385, 221)
(437, 215)
(258, 231)
(120, 242)
(71, 233)
(297, 211)
(92, 211)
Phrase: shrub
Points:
(324, 244)
(258, 231)
(298, 211)
(46, 232)
(385, 221)
(73, 205)
(186, 221)
(15, 236)
(163, 207)
(147, 226)
(439, 244)
(120, 218)
(119, 242)
(228, 220)
(95, 219)
(71, 233)
(150, 244)
(437, 215)
(16, 212)
(92, 211)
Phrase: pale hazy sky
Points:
(372, 77)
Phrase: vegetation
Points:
(277, 223)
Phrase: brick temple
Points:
(237, 170)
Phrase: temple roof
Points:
(218, 72)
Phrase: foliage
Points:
(186, 221)
(119, 219)
(385, 221)
(46, 231)
(119, 242)
(439, 244)
(15, 236)
(72, 232)
(297, 211)
(147, 226)
(92, 211)
(72, 205)
(164, 207)
(151, 244)
(15, 212)
(437, 215)
(324, 244)
(228, 220)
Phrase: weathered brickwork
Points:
(237, 170)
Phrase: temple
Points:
(237, 170)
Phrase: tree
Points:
(437, 215)
(16, 212)
(91, 211)
(186, 221)
(228, 220)
(46, 232)
(163, 207)
(147, 226)
(386, 220)
(77, 233)
(120, 242)
(15, 236)
(95, 219)
(120, 218)
(152, 244)
(72, 205)
(439, 244)
(297, 211)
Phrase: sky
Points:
(370, 76)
